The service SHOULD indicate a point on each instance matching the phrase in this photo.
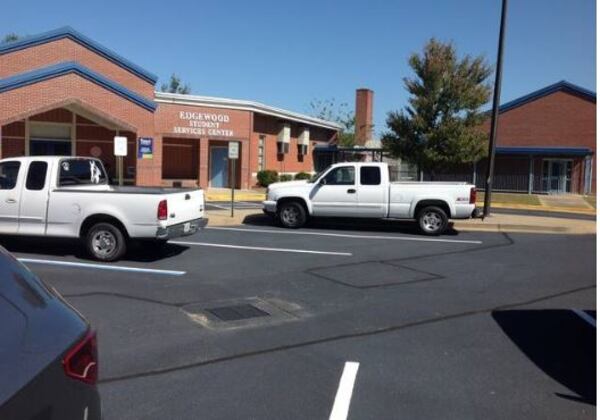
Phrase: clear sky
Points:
(288, 53)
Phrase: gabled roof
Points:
(243, 105)
(562, 86)
(72, 34)
(60, 69)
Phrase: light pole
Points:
(494, 123)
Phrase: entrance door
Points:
(47, 147)
(219, 167)
(557, 176)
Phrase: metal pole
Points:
(494, 123)
(232, 183)
(120, 169)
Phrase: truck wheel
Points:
(105, 242)
(291, 215)
(432, 220)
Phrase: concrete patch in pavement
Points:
(372, 274)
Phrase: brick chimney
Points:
(364, 116)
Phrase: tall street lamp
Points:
(494, 123)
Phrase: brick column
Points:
(203, 163)
(245, 173)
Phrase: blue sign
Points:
(145, 147)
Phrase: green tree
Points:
(10, 37)
(441, 125)
(330, 110)
(175, 85)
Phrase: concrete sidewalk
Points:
(495, 223)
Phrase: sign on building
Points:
(145, 147)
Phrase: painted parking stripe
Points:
(587, 318)
(347, 235)
(101, 266)
(341, 405)
(261, 248)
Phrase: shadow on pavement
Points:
(339, 223)
(558, 342)
(61, 247)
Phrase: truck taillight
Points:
(81, 361)
(473, 196)
(161, 212)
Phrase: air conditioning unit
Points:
(303, 141)
(283, 139)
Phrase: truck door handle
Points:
(11, 200)
(351, 191)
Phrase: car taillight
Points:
(473, 196)
(161, 212)
(81, 361)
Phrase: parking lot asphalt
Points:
(466, 325)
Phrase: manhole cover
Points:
(237, 312)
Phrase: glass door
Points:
(557, 176)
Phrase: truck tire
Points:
(291, 215)
(105, 242)
(432, 220)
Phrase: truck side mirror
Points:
(323, 181)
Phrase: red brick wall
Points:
(44, 55)
(57, 92)
(290, 162)
(560, 119)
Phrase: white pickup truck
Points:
(71, 197)
(364, 190)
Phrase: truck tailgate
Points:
(185, 206)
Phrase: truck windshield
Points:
(81, 172)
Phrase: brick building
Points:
(546, 143)
(62, 93)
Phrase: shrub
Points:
(284, 177)
(302, 175)
(265, 178)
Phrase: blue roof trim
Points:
(68, 32)
(565, 151)
(563, 85)
(60, 69)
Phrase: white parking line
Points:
(260, 248)
(101, 266)
(587, 318)
(341, 405)
(347, 235)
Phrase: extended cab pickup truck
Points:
(365, 190)
(71, 197)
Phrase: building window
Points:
(261, 152)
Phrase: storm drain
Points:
(243, 313)
(237, 312)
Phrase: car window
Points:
(9, 171)
(81, 172)
(370, 175)
(36, 176)
(343, 175)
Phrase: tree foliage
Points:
(175, 85)
(330, 110)
(441, 125)
(10, 37)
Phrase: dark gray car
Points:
(48, 355)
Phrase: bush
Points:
(265, 178)
(284, 178)
(302, 175)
